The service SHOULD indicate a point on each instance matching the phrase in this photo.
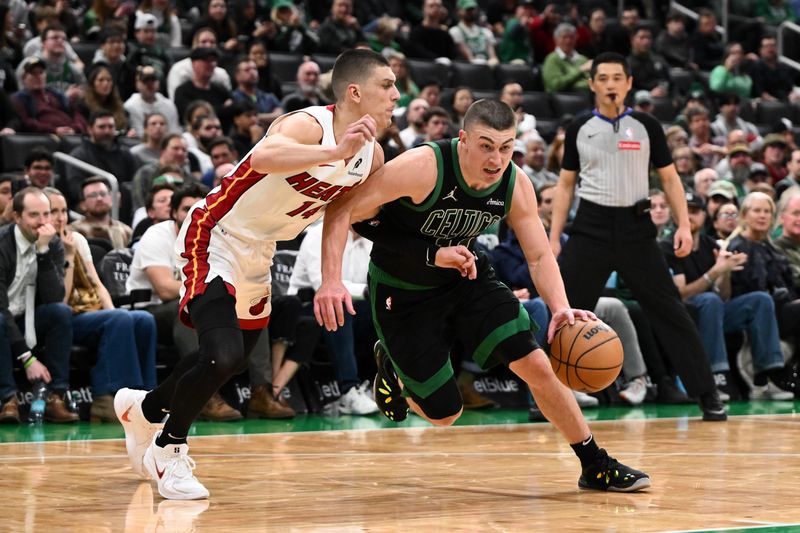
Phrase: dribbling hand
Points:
(569, 316)
(358, 133)
(328, 308)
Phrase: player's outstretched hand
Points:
(569, 316)
(358, 133)
(458, 257)
(328, 305)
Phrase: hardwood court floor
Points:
(494, 477)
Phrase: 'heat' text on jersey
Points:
(309, 186)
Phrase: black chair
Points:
(525, 75)
(70, 142)
(489, 95)
(176, 54)
(325, 62)
(747, 111)
(476, 77)
(288, 87)
(422, 71)
(15, 148)
(547, 129)
(537, 104)
(570, 103)
(663, 109)
(681, 80)
(85, 51)
(284, 66)
(771, 112)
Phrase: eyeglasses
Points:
(729, 215)
(95, 195)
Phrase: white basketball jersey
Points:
(278, 206)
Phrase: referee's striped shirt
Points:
(613, 166)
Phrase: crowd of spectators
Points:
(174, 93)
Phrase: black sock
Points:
(151, 408)
(760, 378)
(166, 439)
(586, 451)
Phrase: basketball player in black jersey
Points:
(424, 210)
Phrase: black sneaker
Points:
(386, 389)
(609, 474)
(669, 393)
(712, 407)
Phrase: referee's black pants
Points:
(605, 239)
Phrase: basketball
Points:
(586, 356)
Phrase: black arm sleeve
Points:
(659, 151)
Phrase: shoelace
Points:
(608, 466)
(182, 467)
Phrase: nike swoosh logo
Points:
(159, 472)
(124, 416)
(590, 135)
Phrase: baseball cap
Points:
(642, 97)
(695, 200)
(467, 4)
(146, 72)
(145, 20)
(722, 188)
(203, 53)
(278, 4)
(240, 107)
(31, 63)
(167, 179)
(519, 146)
(774, 138)
(758, 168)
(782, 125)
(738, 149)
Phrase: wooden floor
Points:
(738, 474)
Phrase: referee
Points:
(612, 148)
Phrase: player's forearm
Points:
(336, 224)
(275, 155)
(547, 280)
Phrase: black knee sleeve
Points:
(443, 403)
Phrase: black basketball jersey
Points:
(453, 214)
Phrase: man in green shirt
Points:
(564, 69)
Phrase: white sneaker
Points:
(172, 467)
(770, 391)
(357, 402)
(584, 400)
(138, 430)
(724, 396)
(634, 391)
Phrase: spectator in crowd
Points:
(511, 94)
(182, 71)
(290, 33)
(673, 44)
(61, 75)
(416, 125)
(772, 80)
(308, 91)
(789, 241)
(643, 101)
(703, 179)
(267, 81)
(685, 165)
(408, 89)
(101, 149)
(9, 120)
(564, 69)
(734, 138)
(103, 13)
(774, 12)
(720, 193)
(44, 16)
(593, 38)
(703, 279)
(767, 269)
(650, 71)
(147, 52)
(355, 397)
(430, 91)
(474, 43)
(437, 125)
(223, 153)
(725, 220)
(220, 21)
(429, 39)
(728, 120)
(42, 109)
(661, 215)
(676, 137)
(111, 53)
(555, 154)
(341, 30)
(245, 131)
(460, 100)
(541, 29)
(201, 86)
(96, 208)
(730, 76)
(157, 205)
(705, 44)
(102, 95)
(39, 168)
(173, 152)
(168, 32)
(154, 268)
(775, 157)
(125, 340)
(739, 161)
(6, 204)
(205, 128)
(704, 144)
(149, 150)
(266, 105)
(784, 127)
(515, 44)
(148, 101)
(31, 294)
(792, 179)
(534, 162)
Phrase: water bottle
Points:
(36, 415)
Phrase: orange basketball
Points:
(586, 356)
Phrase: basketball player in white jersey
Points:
(306, 160)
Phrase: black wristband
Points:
(430, 255)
